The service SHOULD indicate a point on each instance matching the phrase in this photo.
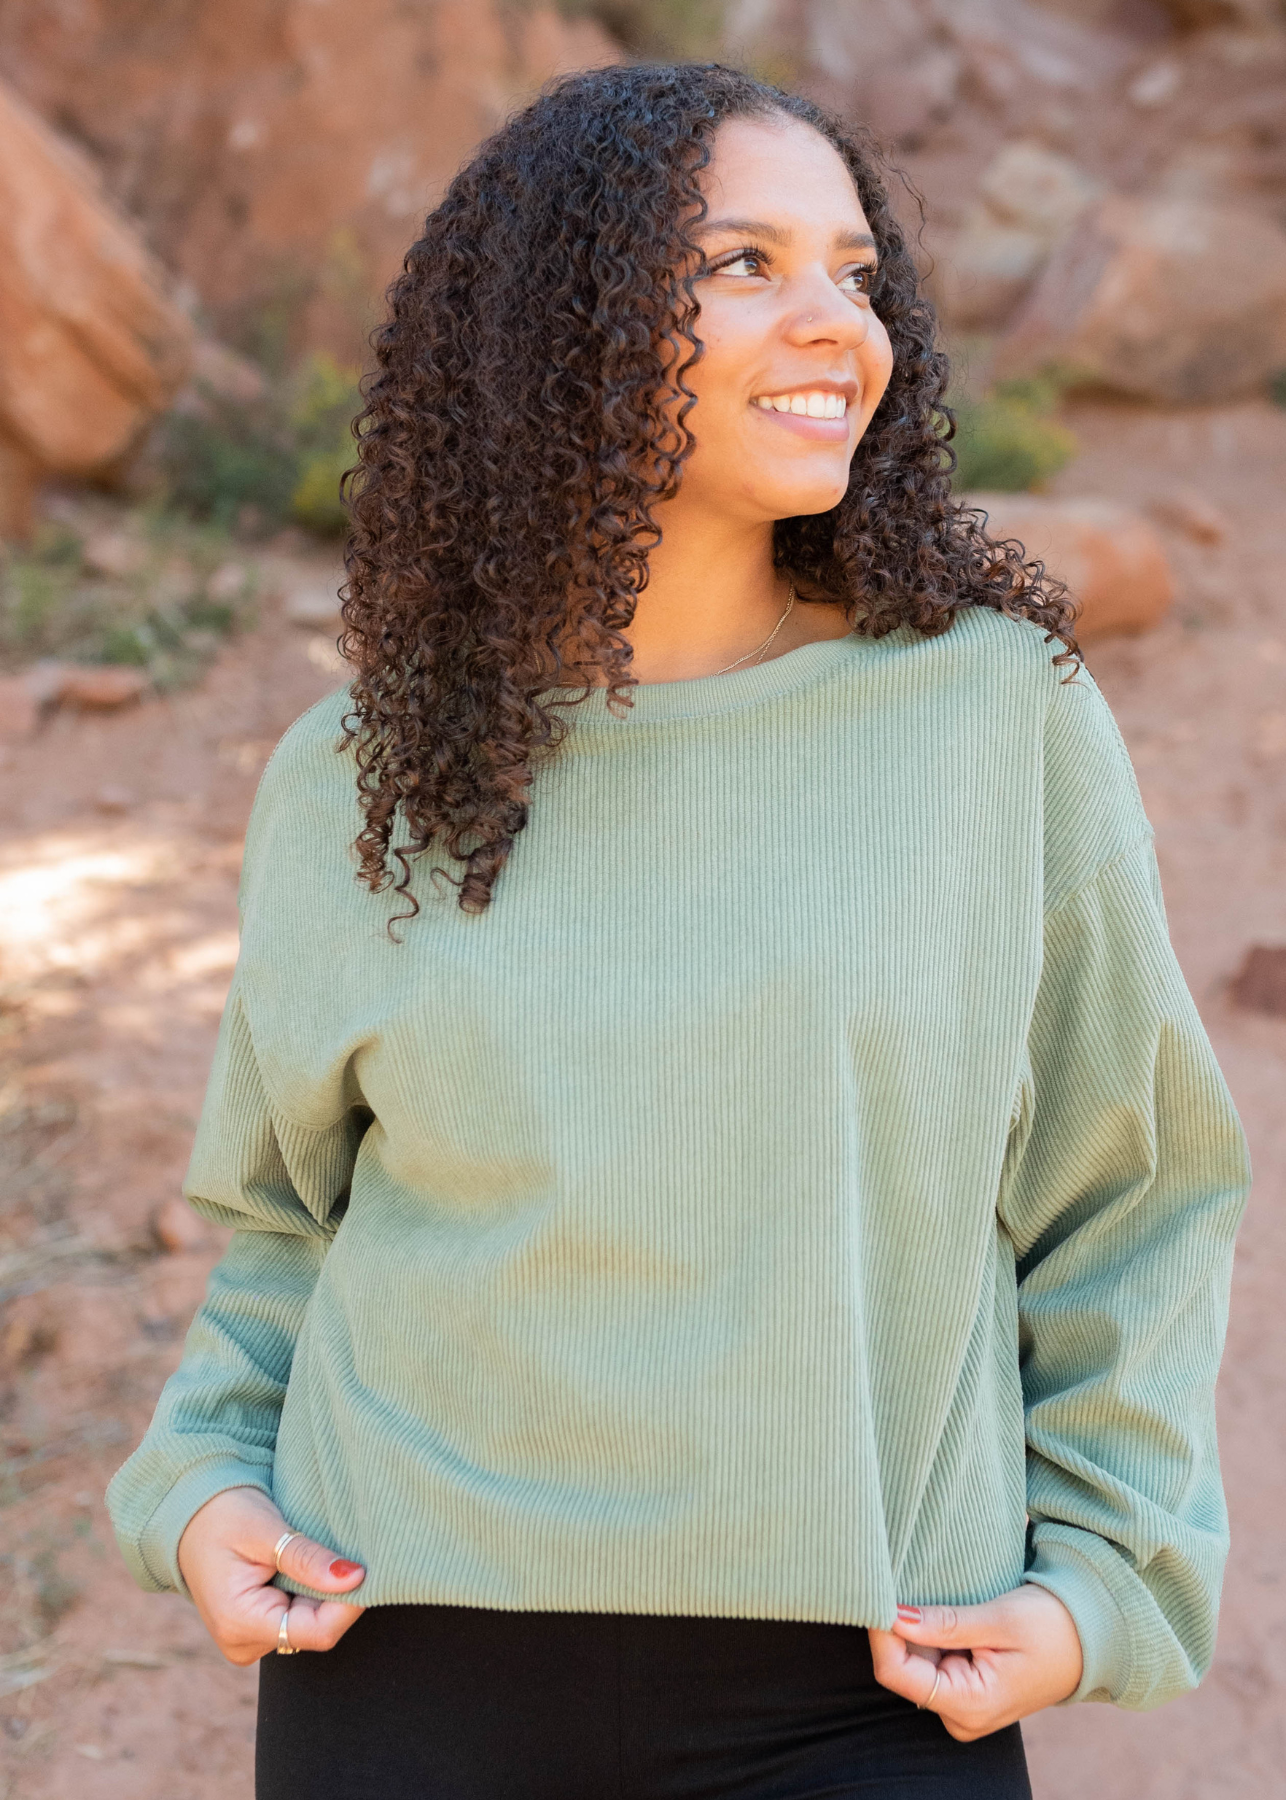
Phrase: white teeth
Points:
(805, 406)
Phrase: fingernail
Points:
(341, 1568)
(910, 1615)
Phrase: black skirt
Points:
(465, 1703)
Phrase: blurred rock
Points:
(1118, 306)
(19, 709)
(90, 346)
(1015, 51)
(1033, 188)
(912, 95)
(1260, 983)
(101, 689)
(1111, 558)
(1028, 199)
(313, 602)
(177, 1228)
(113, 553)
(1188, 511)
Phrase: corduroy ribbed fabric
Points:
(808, 1186)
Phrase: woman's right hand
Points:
(226, 1558)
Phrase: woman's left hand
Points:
(995, 1663)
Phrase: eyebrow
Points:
(773, 234)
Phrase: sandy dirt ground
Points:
(119, 855)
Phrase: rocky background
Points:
(199, 209)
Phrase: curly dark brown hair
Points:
(521, 426)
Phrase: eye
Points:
(860, 280)
(742, 263)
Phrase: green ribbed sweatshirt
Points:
(808, 1187)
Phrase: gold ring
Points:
(280, 1545)
(284, 1645)
(924, 1705)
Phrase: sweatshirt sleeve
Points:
(1125, 1183)
(282, 1187)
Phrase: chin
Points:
(805, 502)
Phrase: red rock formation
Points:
(90, 346)
(281, 152)
(1111, 558)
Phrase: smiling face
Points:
(796, 358)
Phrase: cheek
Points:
(719, 379)
(876, 356)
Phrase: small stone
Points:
(19, 709)
(177, 1228)
(102, 689)
(114, 554)
(45, 680)
(110, 799)
(1260, 983)
(17, 1341)
(312, 603)
(30, 1330)
(1189, 511)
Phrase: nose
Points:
(820, 314)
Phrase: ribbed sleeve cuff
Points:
(1086, 1573)
(155, 1558)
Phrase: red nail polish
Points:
(910, 1615)
(341, 1568)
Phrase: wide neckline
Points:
(703, 696)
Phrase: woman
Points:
(748, 1074)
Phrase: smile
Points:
(811, 403)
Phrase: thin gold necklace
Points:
(761, 650)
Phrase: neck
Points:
(712, 595)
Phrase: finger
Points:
(950, 1683)
(901, 1668)
(986, 1627)
(316, 1624)
(312, 1565)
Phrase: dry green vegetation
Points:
(146, 588)
(158, 585)
(1010, 439)
(264, 463)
